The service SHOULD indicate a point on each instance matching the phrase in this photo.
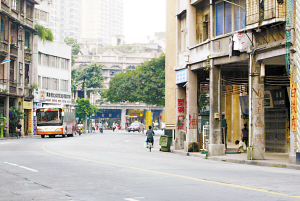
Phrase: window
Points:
(14, 4)
(183, 31)
(45, 83)
(27, 40)
(64, 85)
(54, 85)
(27, 81)
(229, 17)
(12, 70)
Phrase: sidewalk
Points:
(280, 160)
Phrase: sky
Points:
(143, 18)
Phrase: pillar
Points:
(236, 114)
(215, 147)
(228, 110)
(180, 131)
(256, 113)
(123, 118)
(191, 24)
(191, 108)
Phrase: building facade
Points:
(236, 53)
(65, 19)
(16, 43)
(101, 21)
(114, 60)
(52, 65)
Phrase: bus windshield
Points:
(49, 117)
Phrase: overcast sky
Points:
(143, 18)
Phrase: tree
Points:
(145, 84)
(15, 115)
(75, 47)
(91, 76)
(84, 108)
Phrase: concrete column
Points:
(228, 111)
(191, 108)
(180, 131)
(6, 105)
(215, 147)
(191, 24)
(236, 115)
(257, 113)
(123, 118)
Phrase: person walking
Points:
(142, 128)
(244, 135)
(18, 129)
(114, 126)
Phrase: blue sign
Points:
(244, 102)
(181, 76)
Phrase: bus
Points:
(55, 120)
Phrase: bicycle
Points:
(149, 145)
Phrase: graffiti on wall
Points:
(192, 121)
(293, 107)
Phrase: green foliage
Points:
(91, 75)
(84, 108)
(145, 84)
(15, 115)
(75, 47)
(43, 33)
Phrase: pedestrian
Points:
(18, 129)
(242, 146)
(114, 126)
(5, 130)
(142, 128)
(244, 135)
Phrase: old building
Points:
(235, 52)
(114, 60)
(16, 43)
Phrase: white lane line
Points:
(131, 199)
(21, 167)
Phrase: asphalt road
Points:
(116, 166)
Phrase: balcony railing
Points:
(27, 56)
(4, 5)
(272, 9)
(3, 47)
(14, 50)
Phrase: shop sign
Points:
(27, 105)
(244, 102)
(293, 107)
(181, 76)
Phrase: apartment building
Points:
(52, 65)
(65, 19)
(238, 53)
(102, 20)
(16, 43)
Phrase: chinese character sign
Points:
(293, 107)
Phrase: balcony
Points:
(14, 50)
(27, 56)
(29, 22)
(272, 12)
(4, 5)
(13, 87)
(3, 47)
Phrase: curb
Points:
(239, 161)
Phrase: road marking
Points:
(130, 199)
(173, 175)
(21, 167)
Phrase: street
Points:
(117, 166)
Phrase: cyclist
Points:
(150, 134)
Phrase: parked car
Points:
(134, 127)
